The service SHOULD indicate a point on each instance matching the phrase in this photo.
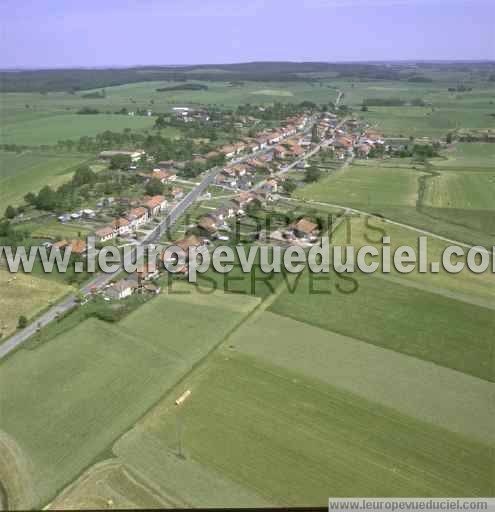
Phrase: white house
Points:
(121, 289)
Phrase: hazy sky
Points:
(61, 33)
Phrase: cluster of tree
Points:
(277, 111)
(162, 148)
(71, 80)
(95, 95)
(312, 174)
(88, 111)
(392, 102)
(67, 195)
(419, 79)
(289, 185)
(419, 152)
(460, 88)
(10, 236)
(184, 87)
(197, 128)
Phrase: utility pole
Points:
(179, 402)
(179, 435)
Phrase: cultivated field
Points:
(413, 321)
(453, 201)
(85, 387)
(49, 129)
(25, 294)
(359, 231)
(413, 387)
(29, 171)
(367, 185)
(290, 439)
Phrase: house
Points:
(343, 142)
(208, 223)
(146, 272)
(105, 234)
(138, 216)
(244, 198)
(152, 288)
(363, 150)
(229, 151)
(61, 244)
(304, 228)
(262, 141)
(155, 205)
(77, 246)
(88, 213)
(279, 152)
(274, 138)
(164, 176)
(121, 289)
(121, 226)
(190, 241)
(239, 147)
(212, 154)
(271, 186)
(134, 155)
(238, 170)
(177, 192)
(253, 147)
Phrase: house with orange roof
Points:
(121, 226)
(228, 150)
(78, 246)
(138, 216)
(164, 176)
(155, 205)
(105, 234)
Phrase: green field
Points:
(462, 190)
(84, 388)
(412, 321)
(294, 440)
(29, 171)
(359, 231)
(371, 185)
(50, 129)
(451, 197)
(440, 396)
(445, 111)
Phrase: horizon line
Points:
(138, 66)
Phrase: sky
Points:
(87, 33)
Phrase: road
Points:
(100, 280)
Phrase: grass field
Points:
(366, 184)
(469, 156)
(462, 190)
(293, 440)
(413, 387)
(29, 171)
(445, 111)
(25, 294)
(359, 231)
(84, 388)
(54, 229)
(416, 322)
(30, 118)
(51, 129)
(453, 201)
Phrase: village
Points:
(252, 179)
